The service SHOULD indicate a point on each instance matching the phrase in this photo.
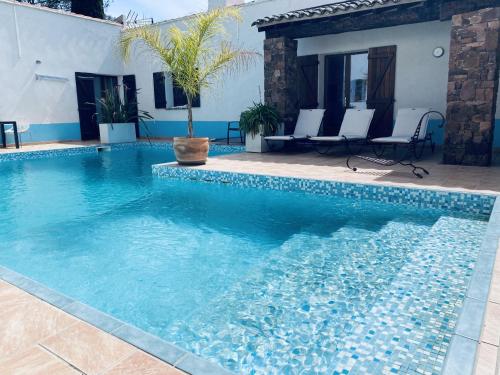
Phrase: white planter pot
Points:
(255, 143)
(117, 133)
(258, 143)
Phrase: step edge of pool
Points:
(155, 346)
(462, 353)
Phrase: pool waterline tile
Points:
(477, 204)
(92, 149)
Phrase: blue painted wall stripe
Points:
(165, 129)
(50, 132)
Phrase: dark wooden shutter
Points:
(159, 90)
(130, 95)
(381, 85)
(307, 83)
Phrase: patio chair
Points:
(308, 124)
(22, 128)
(234, 126)
(354, 128)
(410, 130)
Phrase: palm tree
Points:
(195, 56)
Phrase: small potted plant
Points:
(259, 121)
(196, 56)
(117, 118)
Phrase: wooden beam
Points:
(371, 19)
(401, 14)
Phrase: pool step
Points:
(413, 321)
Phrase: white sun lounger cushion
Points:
(308, 124)
(407, 122)
(392, 140)
(355, 125)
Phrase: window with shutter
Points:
(180, 98)
(307, 82)
(159, 90)
(381, 86)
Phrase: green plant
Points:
(196, 55)
(112, 109)
(260, 119)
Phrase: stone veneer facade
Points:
(472, 87)
(280, 73)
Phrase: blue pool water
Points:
(261, 282)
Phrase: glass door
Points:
(346, 78)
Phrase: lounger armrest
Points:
(416, 136)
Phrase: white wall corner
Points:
(212, 4)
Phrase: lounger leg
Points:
(354, 169)
(415, 169)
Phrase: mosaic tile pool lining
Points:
(481, 204)
(69, 151)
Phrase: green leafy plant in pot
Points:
(259, 121)
(117, 117)
(195, 56)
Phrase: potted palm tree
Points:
(195, 56)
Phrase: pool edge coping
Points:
(462, 354)
(151, 344)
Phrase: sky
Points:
(157, 9)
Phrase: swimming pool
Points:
(259, 281)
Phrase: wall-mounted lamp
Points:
(41, 77)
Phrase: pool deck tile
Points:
(491, 329)
(88, 349)
(141, 364)
(36, 361)
(37, 338)
(487, 360)
(28, 322)
(488, 356)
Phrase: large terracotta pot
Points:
(191, 151)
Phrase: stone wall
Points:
(280, 76)
(472, 87)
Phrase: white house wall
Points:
(63, 44)
(66, 44)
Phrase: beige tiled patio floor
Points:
(44, 146)
(39, 339)
(488, 358)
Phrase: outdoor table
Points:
(4, 137)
